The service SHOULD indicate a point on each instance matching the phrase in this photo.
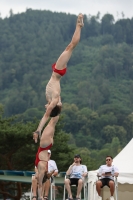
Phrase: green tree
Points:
(107, 24)
(109, 132)
(128, 125)
(115, 147)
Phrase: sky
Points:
(88, 7)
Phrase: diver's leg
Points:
(65, 56)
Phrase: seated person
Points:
(77, 172)
(52, 171)
(107, 173)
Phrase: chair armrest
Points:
(67, 176)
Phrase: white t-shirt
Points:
(77, 171)
(104, 168)
(52, 166)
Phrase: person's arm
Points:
(45, 119)
(69, 171)
(99, 171)
(116, 172)
(85, 171)
(47, 114)
(55, 173)
(59, 102)
(84, 174)
(50, 107)
(56, 170)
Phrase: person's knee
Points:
(70, 47)
(34, 180)
(80, 182)
(111, 183)
(40, 179)
(99, 184)
(40, 183)
(67, 182)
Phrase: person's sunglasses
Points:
(108, 159)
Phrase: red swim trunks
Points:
(37, 155)
(60, 72)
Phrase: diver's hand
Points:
(35, 136)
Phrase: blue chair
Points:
(62, 174)
(1, 172)
(14, 173)
(29, 173)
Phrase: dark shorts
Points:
(105, 181)
(74, 181)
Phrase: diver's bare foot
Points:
(80, 20)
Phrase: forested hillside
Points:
(97, 91)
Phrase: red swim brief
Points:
(37, 155)
(60, 72)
